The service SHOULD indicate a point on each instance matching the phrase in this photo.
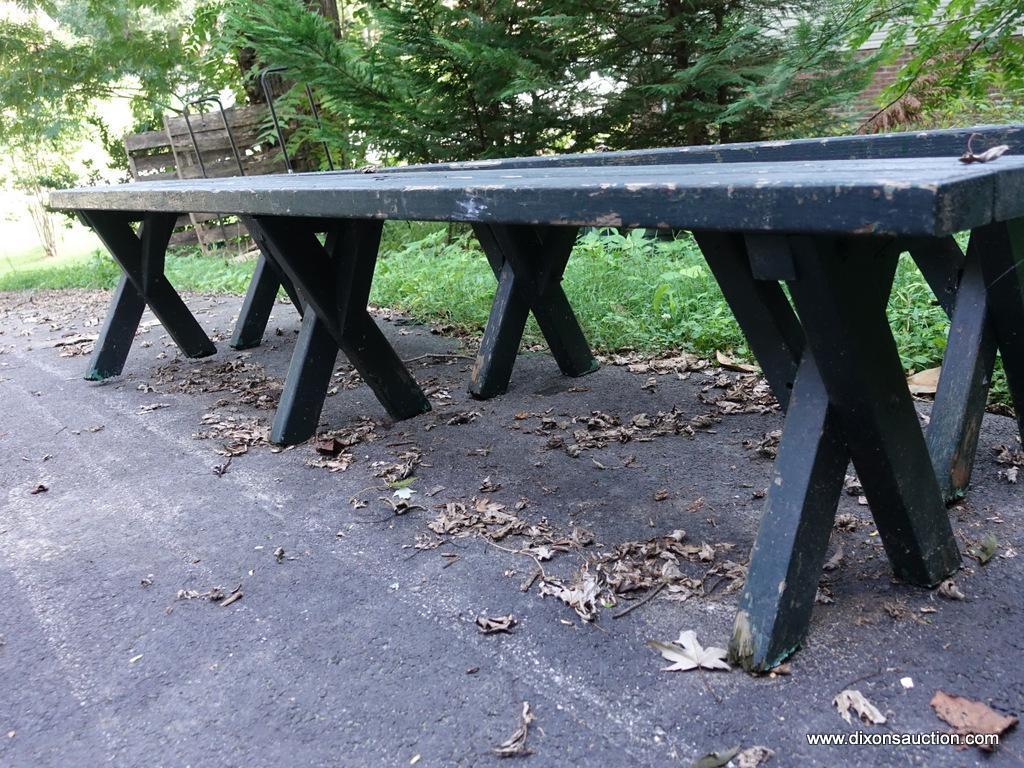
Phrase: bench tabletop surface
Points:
(920, 196)
(931, 143)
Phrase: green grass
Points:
(185, 269)
(629, 291)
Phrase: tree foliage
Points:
(432, 80)
(962, 56)
(61, 59)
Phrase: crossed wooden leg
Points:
(955, 425)
(529, 262)
(813, 455)
(259, 302)
(141, 256)
(334, 279)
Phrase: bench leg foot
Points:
(857, 357)
(118, 332)
(792, 541)
(335, 280)
(528, 263)
(309, 377)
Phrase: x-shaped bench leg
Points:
(529, 262)
(259, 303)
(799, 509)
(955, 425)
(850, 399)
(141, 256)
(808, 475)
(334, 278)
(854, 348)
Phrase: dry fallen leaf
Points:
(949, 590)
(984, 550)
(984, 157)
(753, 757)
(924, 382)
(515, 745)
(718, 759)
(490, 625)
(856, 700)
(686, 654)
(582, 596)
(835, 561)
(970, 716)
(734, 365)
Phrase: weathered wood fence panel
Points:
(171, 154)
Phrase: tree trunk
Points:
(247, 61)
(329, 10)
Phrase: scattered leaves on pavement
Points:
(949, 590)
(1011, 459)
(245, 381)
(599, 429)
(717, 759)
(731, 364)
(686, 654)
(924, 382)
(236, 434)
(490, 625)
(215, 595)
(970, 716)
(767, 446)
(752, 757)
(515, 745)
(855, 700)
(984, 550)
(582, 594)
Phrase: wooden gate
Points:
(171, 153)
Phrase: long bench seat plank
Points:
(922, 196)
(933, 143)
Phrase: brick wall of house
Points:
(868, 101)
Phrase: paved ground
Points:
(352, 647)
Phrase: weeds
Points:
(630, 291)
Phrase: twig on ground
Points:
(642, 601)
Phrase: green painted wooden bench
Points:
(827, 218)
